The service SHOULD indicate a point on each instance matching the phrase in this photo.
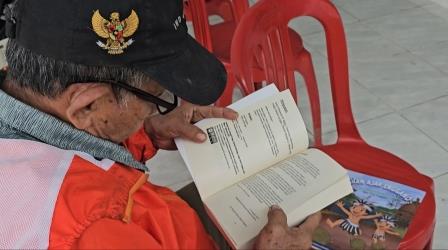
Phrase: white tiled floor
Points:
(398, 53)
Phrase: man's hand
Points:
(277, 235)
(178, 123)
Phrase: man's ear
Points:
(83, 97)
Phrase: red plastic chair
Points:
(261, 31)
(218, 39)
(228, 10)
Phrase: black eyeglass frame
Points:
(144, 96)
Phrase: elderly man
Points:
(89, 95)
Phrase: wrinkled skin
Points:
(178, 123)
(277, 235)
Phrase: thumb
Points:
(311, 223)
(277, 216)
(191, 132)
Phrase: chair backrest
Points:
(237, 8)
(199, 17)
(263, 31)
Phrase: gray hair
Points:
(49, 77)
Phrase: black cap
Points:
(146, 35)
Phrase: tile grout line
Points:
(423, 132)
(373, 94)
(406, 51)
(413, 54)
(429, 63)
(422, 103)
(365, 121)
(368, 119)
(363, 22)
(376, 117)
(397, 111)
(440, 175)
(417, 6)
(394, 110)
(347, 12)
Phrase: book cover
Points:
(375, 216)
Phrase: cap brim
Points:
(194, 74)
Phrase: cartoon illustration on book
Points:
(375, 216)
(383, 226)
(358, 211)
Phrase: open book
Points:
(259, 160)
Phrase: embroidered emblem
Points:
(115, 31)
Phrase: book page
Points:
(241, 210)
(255, 97)
(265, 132)
(249, 100)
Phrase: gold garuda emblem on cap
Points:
(115, 31)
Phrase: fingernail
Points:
(274, 207)
(201, 137)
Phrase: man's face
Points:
(116, 121)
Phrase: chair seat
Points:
(222, 34)
(363, 158)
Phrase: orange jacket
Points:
(92, 203)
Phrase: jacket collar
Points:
(21, 121)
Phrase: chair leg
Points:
(227, 96)
(304, 65)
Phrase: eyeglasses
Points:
(165, 103)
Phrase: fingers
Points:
(303, 234)
(165, 144)
(273, 234)
(213, 112)
(229, 114)
(311, 223)
(163, 129)
(276, 216)
(191, 132)
(277, 235)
